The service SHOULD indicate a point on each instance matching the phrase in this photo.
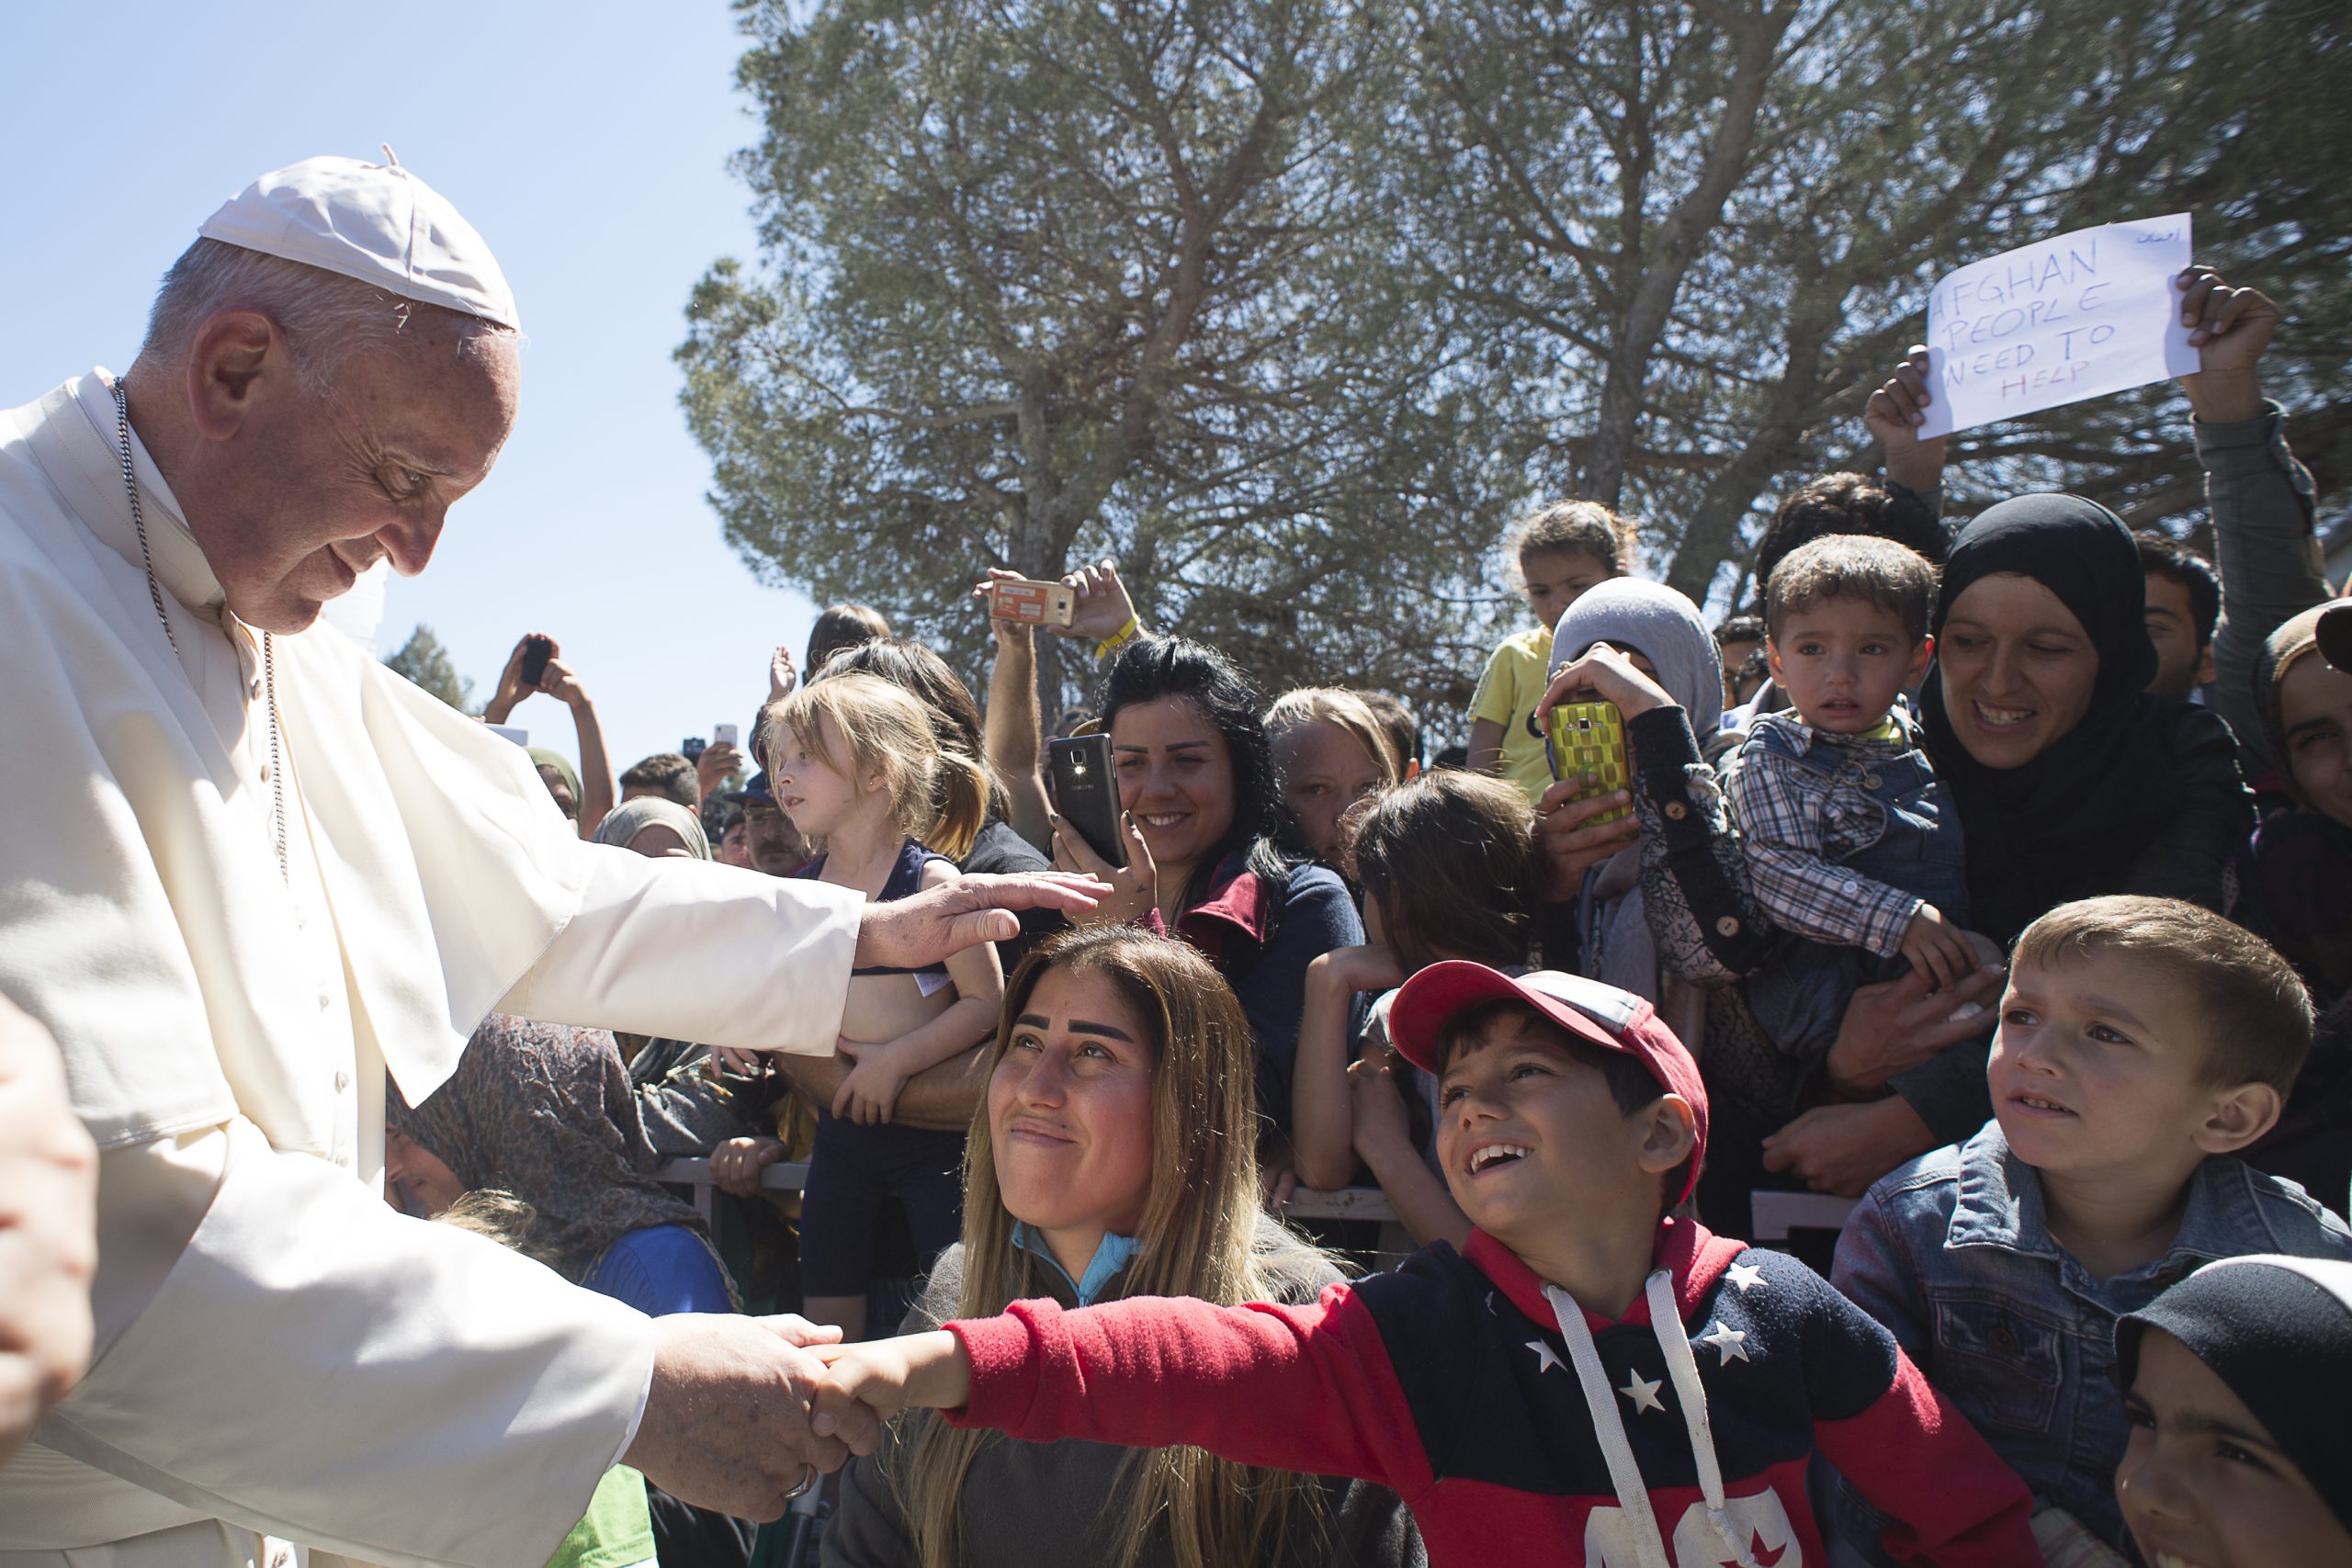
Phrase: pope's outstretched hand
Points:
(914, 933)
(727, 1420)
(48, 1187)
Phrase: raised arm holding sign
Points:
(2078, 316)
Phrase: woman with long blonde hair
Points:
(1115, 1156)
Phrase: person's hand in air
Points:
(1892, 417)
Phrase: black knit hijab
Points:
(2070, 823)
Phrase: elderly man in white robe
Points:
(248, 871)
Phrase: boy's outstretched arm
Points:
(1157, 1373)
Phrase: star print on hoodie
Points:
(1518, 1427)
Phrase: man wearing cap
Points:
(278, 872)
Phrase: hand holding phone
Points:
(1086, 794)
(1034, 602)
(1588, 739)
(537, 651)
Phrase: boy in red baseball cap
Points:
(1592, 1379)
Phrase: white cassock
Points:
(280, 1354)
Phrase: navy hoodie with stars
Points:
(1516, 1432)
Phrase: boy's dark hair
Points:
(1846, 503)
(1853, 566)
(2256, 1011)
(667, 775)
(1631, 1087)
(1740, 628)
(1397, 723)
(2171, 559)
(1452, 858)
(1576, 527)
(839, 627)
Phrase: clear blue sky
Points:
(588, 141)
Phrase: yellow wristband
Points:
(1118, 640)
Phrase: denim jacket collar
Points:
(1999, 1205)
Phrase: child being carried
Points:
(1851, 842)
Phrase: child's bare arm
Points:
(1486, 745)
(1322, 1122)
(923, 1371)
(1383, 1141)
(870, 1091)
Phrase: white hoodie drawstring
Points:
(1682, 1368)
(1624, 1471)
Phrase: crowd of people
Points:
(1951, 878)
(1996, 879)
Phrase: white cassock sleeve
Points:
(396, 1391)
(692, 951)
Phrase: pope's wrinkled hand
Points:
(48, 1187)
(914, 933)
(726, 1420)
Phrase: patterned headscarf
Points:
(546, 1111)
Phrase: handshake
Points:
(744, 1412)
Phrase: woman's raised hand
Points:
(1134, 890)
(1605, 672)
(1103, 605)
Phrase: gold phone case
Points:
(1040, 603)
(1590, 738)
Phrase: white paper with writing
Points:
(2078, 316)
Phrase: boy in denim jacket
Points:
(2143, 1042)
(1851, 843)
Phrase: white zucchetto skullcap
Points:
(375, 222)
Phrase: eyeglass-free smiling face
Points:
(2017, 669)
(1176, 775)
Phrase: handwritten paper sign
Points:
(2078, 316)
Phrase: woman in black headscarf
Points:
(2071, 780)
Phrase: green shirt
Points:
(618, 1529)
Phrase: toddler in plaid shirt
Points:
(1851, 842)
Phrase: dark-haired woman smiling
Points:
(1212, 853)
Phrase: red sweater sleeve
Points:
(1949, 1499)
(1303, 1388)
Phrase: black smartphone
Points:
(694, 746)
(537, 651)
(1086, 794)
